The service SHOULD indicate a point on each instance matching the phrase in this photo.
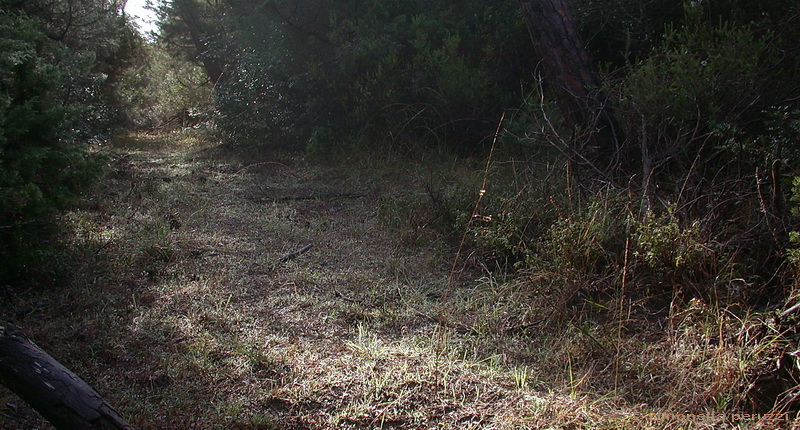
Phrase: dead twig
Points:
(291, 255)
(792, 310)
(339, 294)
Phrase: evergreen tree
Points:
(57, 65)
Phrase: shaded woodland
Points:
(622, 174)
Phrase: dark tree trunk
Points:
(51, 389)
(571, 80)
(189, 12)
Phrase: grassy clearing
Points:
(178, 313)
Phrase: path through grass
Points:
(179, 314)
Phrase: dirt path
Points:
(183, 309)
(182, 317)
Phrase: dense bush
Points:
(701, 213)
(164, 91)
(700, 112)
(691, 98)
(54, 100)
(323, 72)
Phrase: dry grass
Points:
(178, 316)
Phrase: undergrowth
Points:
(653, 309)
(561, 312)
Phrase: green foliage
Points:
(686, 259)
(324, 72)
(703, 71)
(165, 91)
(51, 104)
(701, 84)
(504, 238)
(588, 244)
(796, 196)
(513, 225)
(620, 31)
(665, 245)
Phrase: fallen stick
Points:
(343, 297)
(791, 310)
(291, 256)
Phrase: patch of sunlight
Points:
(367, 343)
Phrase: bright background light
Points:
(144, 18)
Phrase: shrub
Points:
(165, 91)
(42, 165)
(689, 100)
(393, 72)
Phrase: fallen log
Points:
(55, 392)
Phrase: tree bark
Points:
(59, 395)
(571, 80)
(189, 12)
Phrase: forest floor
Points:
(191, 306)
